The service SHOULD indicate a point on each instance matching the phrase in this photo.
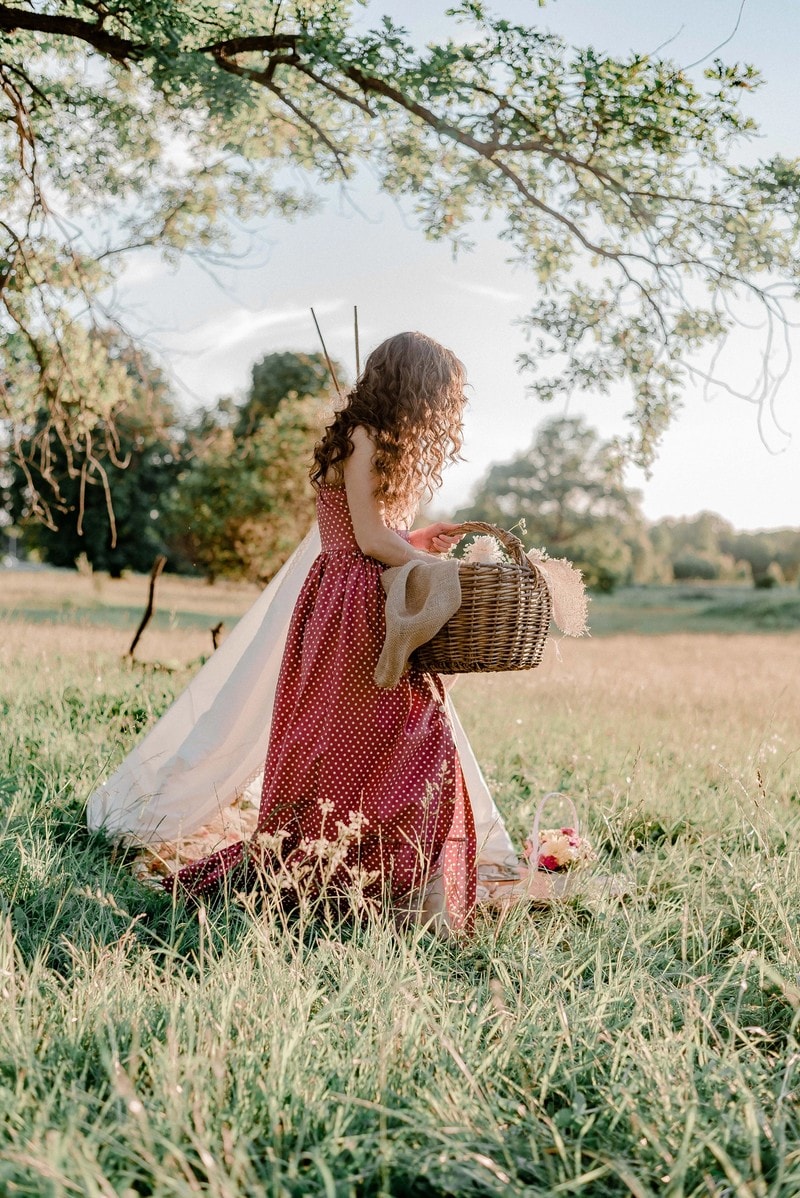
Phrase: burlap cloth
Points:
(420, 597)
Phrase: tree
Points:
(568, 488)
(61, 499)
(700, 534)
(619, 170)
(277, 375)
(773, 576)
(760, 549)
(707, 546)
(693, 546)
(243, 498)
(242, 504)
(696, 566)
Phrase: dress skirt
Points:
(363, 791)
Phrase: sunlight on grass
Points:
(647, 1046)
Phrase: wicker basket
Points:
(503, 620)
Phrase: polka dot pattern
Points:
(360, 783)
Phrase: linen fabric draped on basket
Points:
(208, 749)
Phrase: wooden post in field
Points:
(158, 566)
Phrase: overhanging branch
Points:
(120, 49)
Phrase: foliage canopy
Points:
(225, 492)
(243, 499)
(616, 181)
(60, 496)
(274, 377)
(568, 488)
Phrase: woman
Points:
(363, 787)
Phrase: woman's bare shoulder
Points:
(362, 437)
(363, 452)
(363, 448)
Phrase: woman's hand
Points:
(436, 538)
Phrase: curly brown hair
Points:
(410, 399)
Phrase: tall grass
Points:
(604, 1047)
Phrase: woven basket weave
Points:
(503, 620)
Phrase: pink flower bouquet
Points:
(559, 849)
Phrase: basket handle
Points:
(534, 837)
(513, 545)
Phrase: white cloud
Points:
(239, 325)
(493, 293)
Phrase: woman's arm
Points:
(436, 538)
(372, 535)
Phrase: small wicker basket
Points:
(503, 620)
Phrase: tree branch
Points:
(264, 79)
(120, 49)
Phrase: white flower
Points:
(484, 551)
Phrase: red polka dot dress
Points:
(362, 786)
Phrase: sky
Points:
(363, 248)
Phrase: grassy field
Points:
(62, 596)
(696, 607)
(97, 601)
(644, 1046)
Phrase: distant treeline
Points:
(569, 488)
(708, 547)
(224, 493)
